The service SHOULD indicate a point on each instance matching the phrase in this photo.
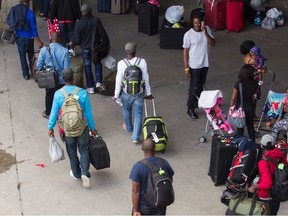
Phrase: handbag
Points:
(244, 205)
(48, 78)
(8, 36)
(236, 117)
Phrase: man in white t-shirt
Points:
(132, 99)
(196, 44)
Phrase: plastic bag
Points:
(268, 23)
(273, 13)
(174, 13)
(56, 152)
(109, 62)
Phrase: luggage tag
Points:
(155, 137)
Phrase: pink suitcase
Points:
(235, 15)
(215, 14)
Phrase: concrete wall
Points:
(5, 7)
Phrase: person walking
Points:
(266, 170)
(67, 12)
(22, 20)
(79, 168)
(83, 36)
(249, 90)
(132, 100)
(196, 44)
(139, 176)
(55, 56)
(43, 6)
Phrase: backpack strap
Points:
(150, 165)
(64, 92)
(76, 90)
(127, 62)
(137, 62)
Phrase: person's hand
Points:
(94, 132)
(149, 97)
(252, 189)
(136, 214)
(51, 133)
(40, 44)
(70, 44)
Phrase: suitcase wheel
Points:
(202, 139)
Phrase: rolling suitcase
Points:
(136, 4)
(148, 18)
(154, 127)
(99, 154)
(104, 5)
(120, 6)
(215, 14)
(234, 16)
(222, 153)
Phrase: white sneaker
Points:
(90, 90)
(100, 87)
(72, 175)
(72, 53)
(86, 181)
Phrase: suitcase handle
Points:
(145, 107)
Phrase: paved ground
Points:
(28, 189)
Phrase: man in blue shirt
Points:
(139, 176)
(22, 20)
(79, 169)
(58, 57)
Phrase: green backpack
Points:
(72, 120)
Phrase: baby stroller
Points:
(210, 102)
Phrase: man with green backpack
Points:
(76, 118)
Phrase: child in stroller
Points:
(211, 102)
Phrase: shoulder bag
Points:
(236, 117)
(48, 77)
(8, 36)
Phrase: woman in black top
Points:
(249, 89)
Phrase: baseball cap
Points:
(67, 74)
(130, 47)
(266, 139)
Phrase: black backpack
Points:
(133, 83)
(279, 190)
(159, 192)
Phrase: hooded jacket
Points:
(265, 174)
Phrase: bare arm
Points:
(210, 40)
(135, 197)
(234, 97)
(185, 59)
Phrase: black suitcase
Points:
(136, 4)
(148, 18)
(172, 38)
(99, 154)
(222, 154)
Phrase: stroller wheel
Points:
(202, 139)
(257, 134)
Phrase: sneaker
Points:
(192, 114)
(72, 54)
(86, 181)
(72, 175)
(90, 90)
(136, 141)
(44, 115)
(100, 87)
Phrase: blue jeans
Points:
(43, 6)
(66, 30)
(82, 142)
(197, 81)
(86, 55)
(25, 45)
(129, 102)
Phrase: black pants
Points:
(197, 81)
(49, 98)
(151, 211)
(249, 113)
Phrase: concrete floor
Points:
(27, 189)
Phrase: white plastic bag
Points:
(273, 13)
(268, 23)
(174, 13)
(56, 152)
(109, 62)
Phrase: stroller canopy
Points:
(208, 99)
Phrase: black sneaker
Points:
(192, 114)
(44, 115)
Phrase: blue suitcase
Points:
(104, 5)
